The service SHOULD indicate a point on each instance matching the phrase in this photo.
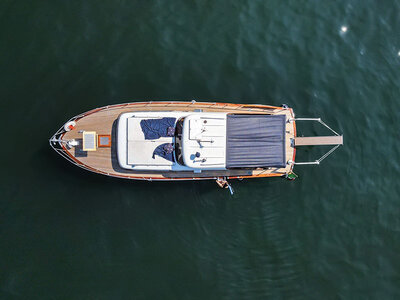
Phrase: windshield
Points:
(178, 141)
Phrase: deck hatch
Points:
(89, 141)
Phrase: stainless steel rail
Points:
(318, 161)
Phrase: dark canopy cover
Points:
(255, 141)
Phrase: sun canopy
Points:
(255, 141)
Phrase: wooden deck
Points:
(318, 140)
(104, 160)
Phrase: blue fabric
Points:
(156, 128)
(164, 150)
(255, 141)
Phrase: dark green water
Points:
(332, 234)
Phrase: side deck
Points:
(104, 160)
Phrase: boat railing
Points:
(56, 142)
(188, 103)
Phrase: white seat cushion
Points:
(135, 132)
(141, 153)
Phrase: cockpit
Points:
(178, 142)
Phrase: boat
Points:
(178, 140)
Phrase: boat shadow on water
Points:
(79, 152)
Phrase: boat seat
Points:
(135, 132)
(141, 152)
(133, 150)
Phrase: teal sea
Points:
(333, 233)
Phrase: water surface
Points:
(333, 233)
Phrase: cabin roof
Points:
(204, 141)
